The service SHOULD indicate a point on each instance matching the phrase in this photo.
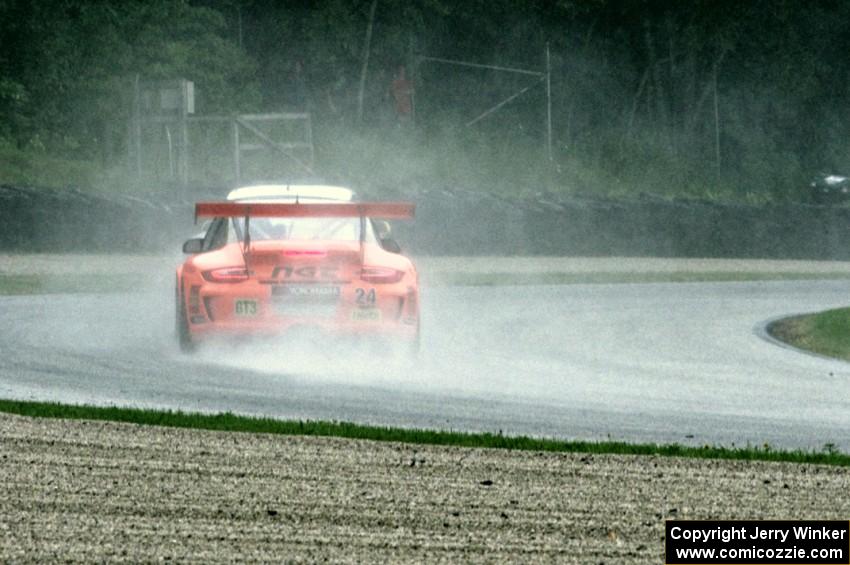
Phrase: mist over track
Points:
(659, 362)
(455, 221)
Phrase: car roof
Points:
(287, 192)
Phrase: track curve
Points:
(637, 362)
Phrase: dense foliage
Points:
(718, 98)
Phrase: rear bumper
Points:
(251, 308)
(406, 330)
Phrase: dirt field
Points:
(96, 491)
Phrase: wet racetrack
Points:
(638, 362)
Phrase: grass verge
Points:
(826, 333)
(829, 455)
(76, 283)
(505, 279)
(125, 278)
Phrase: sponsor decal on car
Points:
(310, 272)
(245, 308)
(306, 290)
(366, 315)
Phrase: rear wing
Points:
(248, 210)
(384, 210)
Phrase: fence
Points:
(229, 150)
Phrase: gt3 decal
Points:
(245, 308)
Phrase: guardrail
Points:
(459, 223)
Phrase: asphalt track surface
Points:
(661, 362)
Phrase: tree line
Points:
(717, 98)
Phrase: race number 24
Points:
(365, 297)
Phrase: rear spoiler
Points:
(248, 210)
(384, 210)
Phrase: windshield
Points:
(303, 229)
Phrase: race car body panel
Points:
(309, 265)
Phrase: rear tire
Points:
(184, 336)
(414, 346)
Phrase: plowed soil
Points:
(99, 491)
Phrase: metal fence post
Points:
(184, 134)
(236, 151)
(548, 104)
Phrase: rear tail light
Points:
(381, 275)
(226, 275)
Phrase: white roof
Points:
(303, 192)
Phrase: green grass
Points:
(826, 333)
(40, 168)
(76, 283)
(501, 279)
(379, 159)
(234, 423)
(122, 282)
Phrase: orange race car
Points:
(276, 258)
